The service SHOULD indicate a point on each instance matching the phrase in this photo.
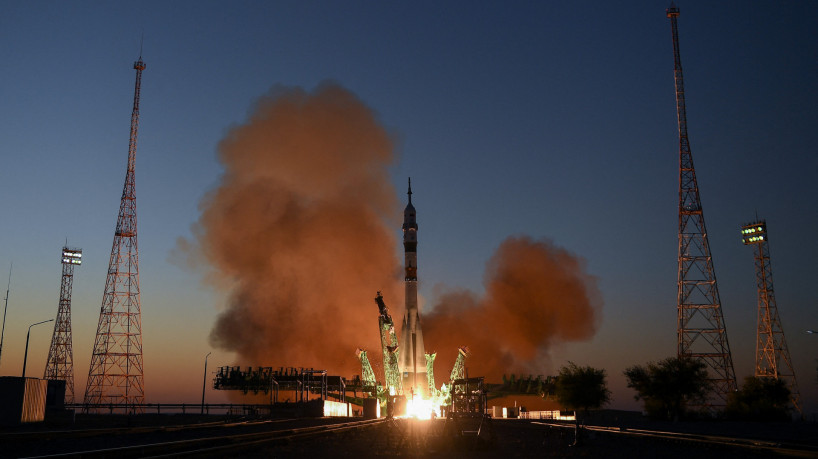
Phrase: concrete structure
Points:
(22, 400)
(413, 355)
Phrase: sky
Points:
(549, 120)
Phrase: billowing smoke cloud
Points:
(301, 229)
(537, 295)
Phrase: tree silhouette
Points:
(668, 386)
(581, 388)
(760, 399)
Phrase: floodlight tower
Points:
(701, 330)
(60, 363)
(772, 354)
(115, 376)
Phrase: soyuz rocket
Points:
(412, 363)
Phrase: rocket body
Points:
(413, 354)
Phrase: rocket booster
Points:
(412, 359)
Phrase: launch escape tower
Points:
(115, 375)
(60, 363)
(772, 355)
(701, 330)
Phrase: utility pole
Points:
(701, 330)
(5, 309)
(204, 380)
(115, 376)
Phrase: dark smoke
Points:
(301, 229)
(537, 295)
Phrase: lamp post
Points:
(25, 356)
(204, 380)
(5, 310)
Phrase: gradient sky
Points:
(551, 119)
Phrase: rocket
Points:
(413, 355)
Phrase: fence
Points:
(171, 408)
(552, 415)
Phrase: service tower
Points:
(413, 355)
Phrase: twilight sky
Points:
(548, 119)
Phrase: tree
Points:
(668, 386)
(760, 399)
(581, 388)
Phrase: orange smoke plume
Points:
(301, 230)
(537, 295)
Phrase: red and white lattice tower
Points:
(772, 354)
(701, 331)
(60, 363)
(115, 376)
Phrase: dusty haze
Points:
(302, 230)
(536, 295)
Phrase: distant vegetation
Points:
(581, 389)
(760, 399)
(669, 386)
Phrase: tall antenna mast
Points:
(701, 331)
(5, 309)
(115, 376)
(60, 363)
(772, 354)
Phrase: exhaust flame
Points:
(422, 409)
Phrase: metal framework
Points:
(459, 368)
(303, 383)
(430, 370)
(60, 363)
(466, 419)
(772, 354)
(116, 372)
(367, 374)
(391, 352)
(701, 330)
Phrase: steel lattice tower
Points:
(772, 354)
(701, 330)
(115, 376)
(60, 363)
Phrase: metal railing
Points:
(170, 408)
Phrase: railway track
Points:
(779, 448)
(208, 439)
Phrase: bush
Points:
(760, 399)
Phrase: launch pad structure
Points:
(301, 382)
(408, 368)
